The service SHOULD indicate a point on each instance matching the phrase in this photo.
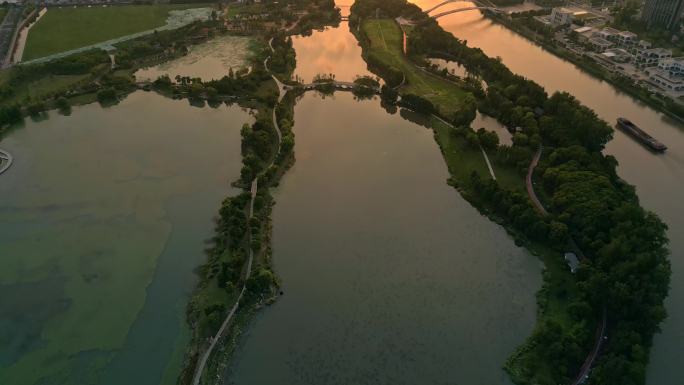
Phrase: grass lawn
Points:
(462, 159)
(386, 44)
(37, 89)
(3, 12)
(63, 29)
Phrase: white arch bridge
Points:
(479, 4)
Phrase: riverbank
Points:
(671, 108)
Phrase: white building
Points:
(651, 57)
(663, 80)
(561, 16)
(673, 66)
(626, 39)
(565, 16)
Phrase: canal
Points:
(104, 218)
(659, 179)
(389, 276)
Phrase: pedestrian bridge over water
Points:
(479, 4)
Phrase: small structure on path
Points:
(572, 261)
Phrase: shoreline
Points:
(594, 70)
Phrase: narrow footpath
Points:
(254, 188)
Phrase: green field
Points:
(3, 12)
(386, 43)
(36, 89)
(63, 29)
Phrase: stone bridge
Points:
(345, 86)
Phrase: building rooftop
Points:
(610, 30)
(583, 29)
(628, 34)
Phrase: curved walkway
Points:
(530, 184)
(5, 161)
(601, 328)
(600, 337)
(254, 188)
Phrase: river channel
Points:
(104, 218)
(389, 276)
(659, 179)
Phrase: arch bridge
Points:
(437, 16)
(478, 3)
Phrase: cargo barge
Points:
(637, 133)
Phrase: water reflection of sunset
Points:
(333, 50)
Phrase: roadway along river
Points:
(390, 277)
(659, 179)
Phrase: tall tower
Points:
(662, 13)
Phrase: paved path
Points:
(530, 184)
(5, 161)
(489, 165)
(586, 367)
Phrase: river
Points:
(389, 276)
(104, 218)
(659, 179)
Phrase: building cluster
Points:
(623, 51)
(612, 48)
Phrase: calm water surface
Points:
(209, 60)
(104, 217)
(659, 179)
(390, 277)
(333, 50)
